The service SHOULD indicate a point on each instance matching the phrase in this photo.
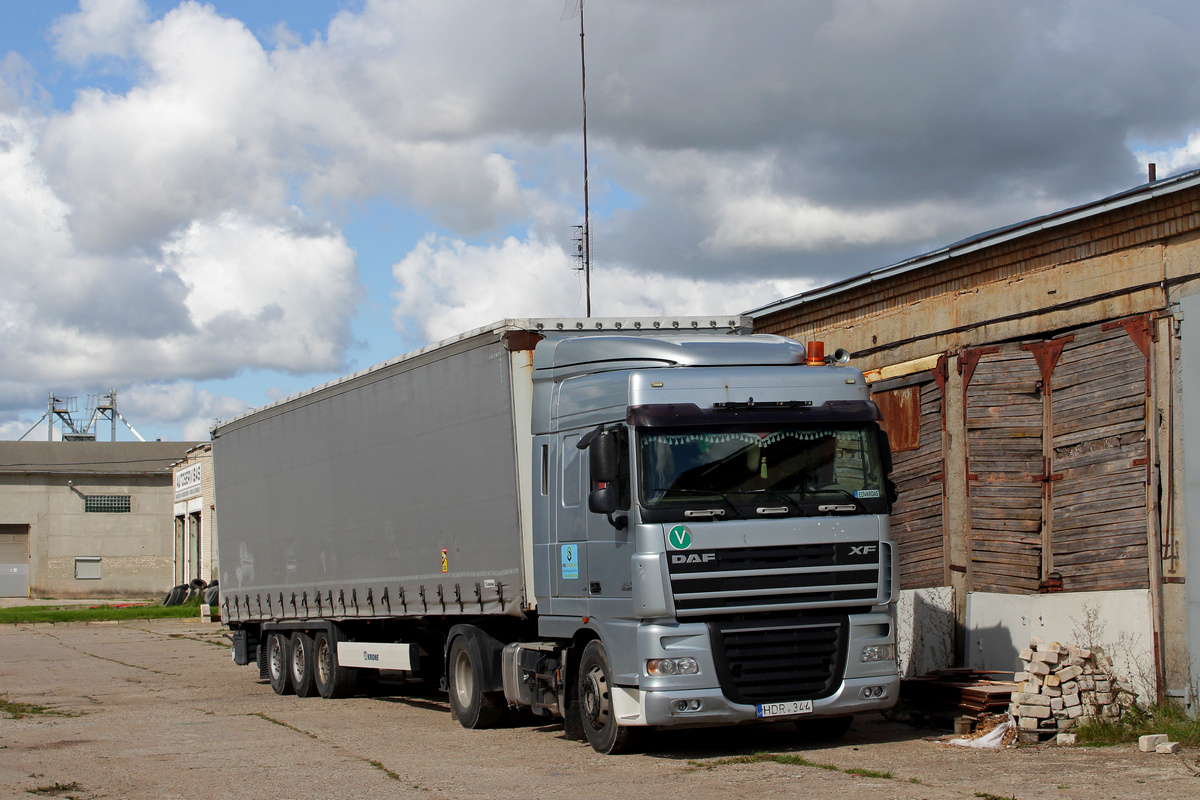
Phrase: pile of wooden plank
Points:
(945, 697)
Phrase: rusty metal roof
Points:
(987, 239)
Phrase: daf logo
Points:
(862, 550)
(693, 558)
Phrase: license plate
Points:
(784, 709)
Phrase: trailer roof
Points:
(545, 326)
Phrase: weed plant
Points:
(1166, 718)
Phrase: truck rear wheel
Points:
(473, 707)
(330, 677)
(595, 699)
(278, 662)
(301, 663)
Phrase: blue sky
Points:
(207, 206)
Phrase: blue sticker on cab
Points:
(570, 562)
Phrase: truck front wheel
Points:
(473, 707)
(595, 699)
(278, 662)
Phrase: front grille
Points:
(749, 579)
(772, 659)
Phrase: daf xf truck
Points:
(629, 524)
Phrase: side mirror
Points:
(602, 457)
(603, 500)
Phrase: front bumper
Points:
(658, 707)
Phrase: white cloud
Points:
(1177, 158)
(100, 28)
(264, 294)
(447, 286)
(216, 296)
(177, 403)
(186, 226)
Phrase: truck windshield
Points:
(781, 470)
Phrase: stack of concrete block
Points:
(1064, 686)
(1157, 743)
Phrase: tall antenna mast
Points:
(587, 227)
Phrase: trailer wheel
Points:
(277, 663)
(330, 677)
(301, 662)
(473, 707)
(596, 703)
(823, 729)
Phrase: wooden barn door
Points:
(912, 416)
(1004, 411)
(1057, 455)
(1098, 464)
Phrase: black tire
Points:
(573, 722)
(823, 729)
(178, 595)
(199, 583)
(300, 661)
(278, 662)
(596, 703)
(166, 601)
(212, 595)
(330, 677)
(473, 707)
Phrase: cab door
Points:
(568, 556)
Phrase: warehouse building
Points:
(87, 519)
(195, 517)
(1037, 383)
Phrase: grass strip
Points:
(379, 766)
(55, 789)
(102, 613)
(17, 710)
(791, 760)
(282, 724)
(1165, 718)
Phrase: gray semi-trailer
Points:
(624, 523)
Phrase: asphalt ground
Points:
(157, 710)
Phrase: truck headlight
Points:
(660, 667)
(878, 652)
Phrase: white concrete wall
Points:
(925, 635)
(999, 626)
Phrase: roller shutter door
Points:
(14, 560)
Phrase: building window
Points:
(107, 503)
(87, 569)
